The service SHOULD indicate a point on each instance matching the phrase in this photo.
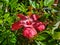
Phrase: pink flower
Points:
(29, 32)
(16, 26)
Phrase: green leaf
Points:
(47, 15)
(22, 8)
(10, 20)
(37, 5)
(6, 15)
(48, 2)
(1, 21)
(55, 27)
(13, 4)
(1, 5)
(4, 43)
(1, 39)
(33, 3)
(1, 12)
(13, 38)
(41, 37)
(40, 43)
(56, 35)
(7, 37)
(41, 3)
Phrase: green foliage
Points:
(7, 37)
(44, 8)
(42, 37)
(22, 8)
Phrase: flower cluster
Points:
(30, 24)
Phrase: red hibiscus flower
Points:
(30, 25)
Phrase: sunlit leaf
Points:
(56, 35)
(48, 2)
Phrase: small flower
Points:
(29, 32)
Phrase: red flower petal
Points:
(34, 17)
(41, 27)
(29, 32)
(37, 24)
(22, 16)
(16, 26)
